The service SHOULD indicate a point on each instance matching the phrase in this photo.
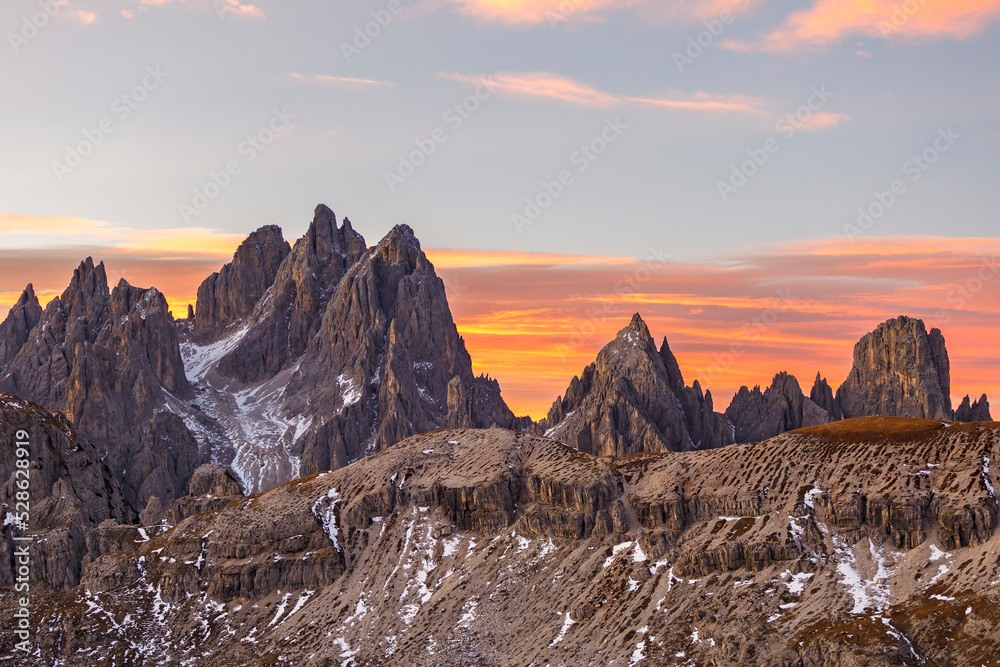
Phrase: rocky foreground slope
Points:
(867, 542)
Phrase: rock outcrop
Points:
(16, 328)
(633, 399)
(350, 350)
(823, 396)
(757, 415)
(859, 542)
(110, 361)
(229, 295)
(71, 492)
(284, 322)
(899, 369)
(976, 411)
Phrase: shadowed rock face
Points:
(14, 330)
(864, 542)
(71, 494)
(822, 395)
(901, 370)
(757, 415)
(285, 320)
(349, 351)
(977, 411)
(110, 361)
(230, 295)
(633, 399)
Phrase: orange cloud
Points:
(564, 89)
(798, 308)
(44, 250)
(555, 12)
(832, 21)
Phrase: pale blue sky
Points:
(656, 184)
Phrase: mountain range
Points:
(332, 355)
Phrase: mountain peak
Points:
(899, 369)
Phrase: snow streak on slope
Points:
(259, 432)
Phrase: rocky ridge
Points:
(899, 370)
(871, 541)
(633, 399)
(109, 361)
(349, 350)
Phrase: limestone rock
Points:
(757, 415)
(282, 324)
(230, 295)
(899, 369)
(110, 361)
(632, 399)
(14, 330)
(71, 493)
(977, 411)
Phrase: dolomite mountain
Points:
(871, 541)
(633, 399)
(899, 370)
(397, 512)
(298, 359)
(346, 351)
(109, 360)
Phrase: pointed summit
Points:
(231, 294)
(757, 415)
(15, 329)
(629, 401)
(976, 411)
(282, 324)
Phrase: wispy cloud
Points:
(337, 81)
(829, 22)
(224, 7)
(559, 88)
(681, 12)
(47, 231)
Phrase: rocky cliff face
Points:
(288, 316)
(349, 351)
(70, 494)
(633, 399)
(229, 295)
(15, 329)
(865, 542)
(899, 369)
(757, 415)
(110, 361)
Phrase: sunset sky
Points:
(708, 156)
